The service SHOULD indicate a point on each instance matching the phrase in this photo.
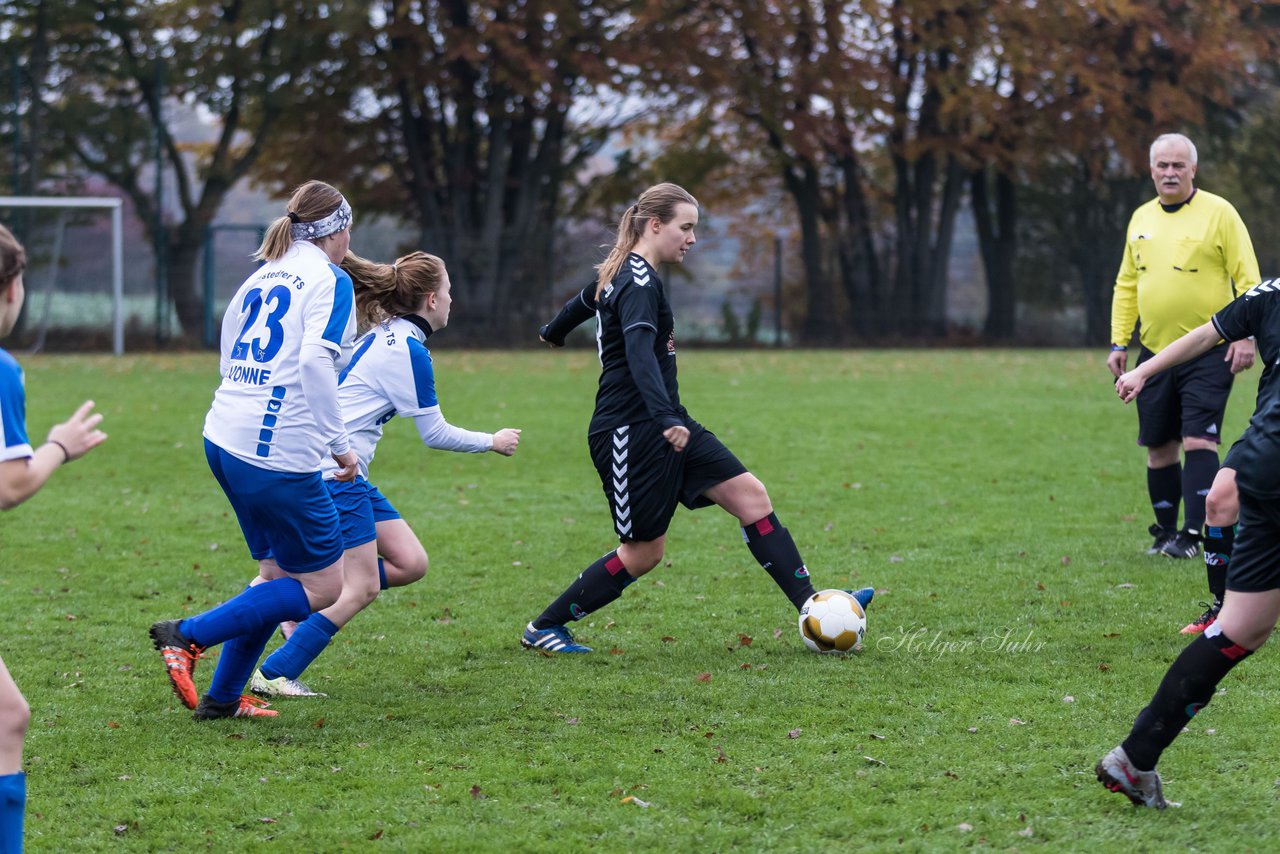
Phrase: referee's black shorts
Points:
(1189, 400)
(644, 478)
(1255, 558)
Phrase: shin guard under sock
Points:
(1218, 543)
(1164, 486)
(772, 547)
(13, 807)
(306, 643)
(267, 604)
(1187, 688)
(597, 586)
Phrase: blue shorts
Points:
(360, 507)
(284, 515)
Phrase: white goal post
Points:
(116, 206)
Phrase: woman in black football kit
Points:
(1252, 603)
(649, 452)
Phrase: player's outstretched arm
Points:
(1197, 342)
(580, 308)
(72, 439)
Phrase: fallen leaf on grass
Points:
(876, 737)
(319, 724)
(113, 725)
(572, 721)
(746, 665)
(721, 758)
(872, 760)
(777, 633)
(267, 820)
(616, 651)
(795, 733)
(1104, 667)
(377, 835)
(744, 640)
(120, 829)
(704, 677)
(1068, 699)
(476, 794)
(668, 639)
(1017, 722)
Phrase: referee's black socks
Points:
(597, 586)
(1164, 486)
(1199, 469)
(771, 545)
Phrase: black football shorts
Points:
(1255, 558)
(1187, 400)
(644, 478)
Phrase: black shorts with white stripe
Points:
(644, 478)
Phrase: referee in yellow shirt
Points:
(1186, 255)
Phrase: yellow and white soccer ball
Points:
(832, 621)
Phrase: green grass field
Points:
(995, 499)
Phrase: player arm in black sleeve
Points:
(580, 308)
(648, 377)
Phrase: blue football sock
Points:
(13, 804)
(382, 575)
(266, 604)
(305, 644)
(236, 663)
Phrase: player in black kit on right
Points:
(1251, 607)
(650, 454)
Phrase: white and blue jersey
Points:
(13, 410)
(389, 375)
(260, 413)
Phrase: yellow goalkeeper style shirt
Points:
(1179, 268)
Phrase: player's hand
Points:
(1128, 385)
(1118, 362)
(506, 440)
(1241, 355)
(79, 435)
(678, 436)
(542, 336)
(348, 466)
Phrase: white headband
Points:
(332, 224)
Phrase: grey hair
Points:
(1173, 137)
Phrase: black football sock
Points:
(771, 545)
(597, 586)
(1187, 688)
(1218, 543)
(1198, 471)
(1165, 488)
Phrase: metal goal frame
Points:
(116, 206)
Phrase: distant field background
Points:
(995, 499)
